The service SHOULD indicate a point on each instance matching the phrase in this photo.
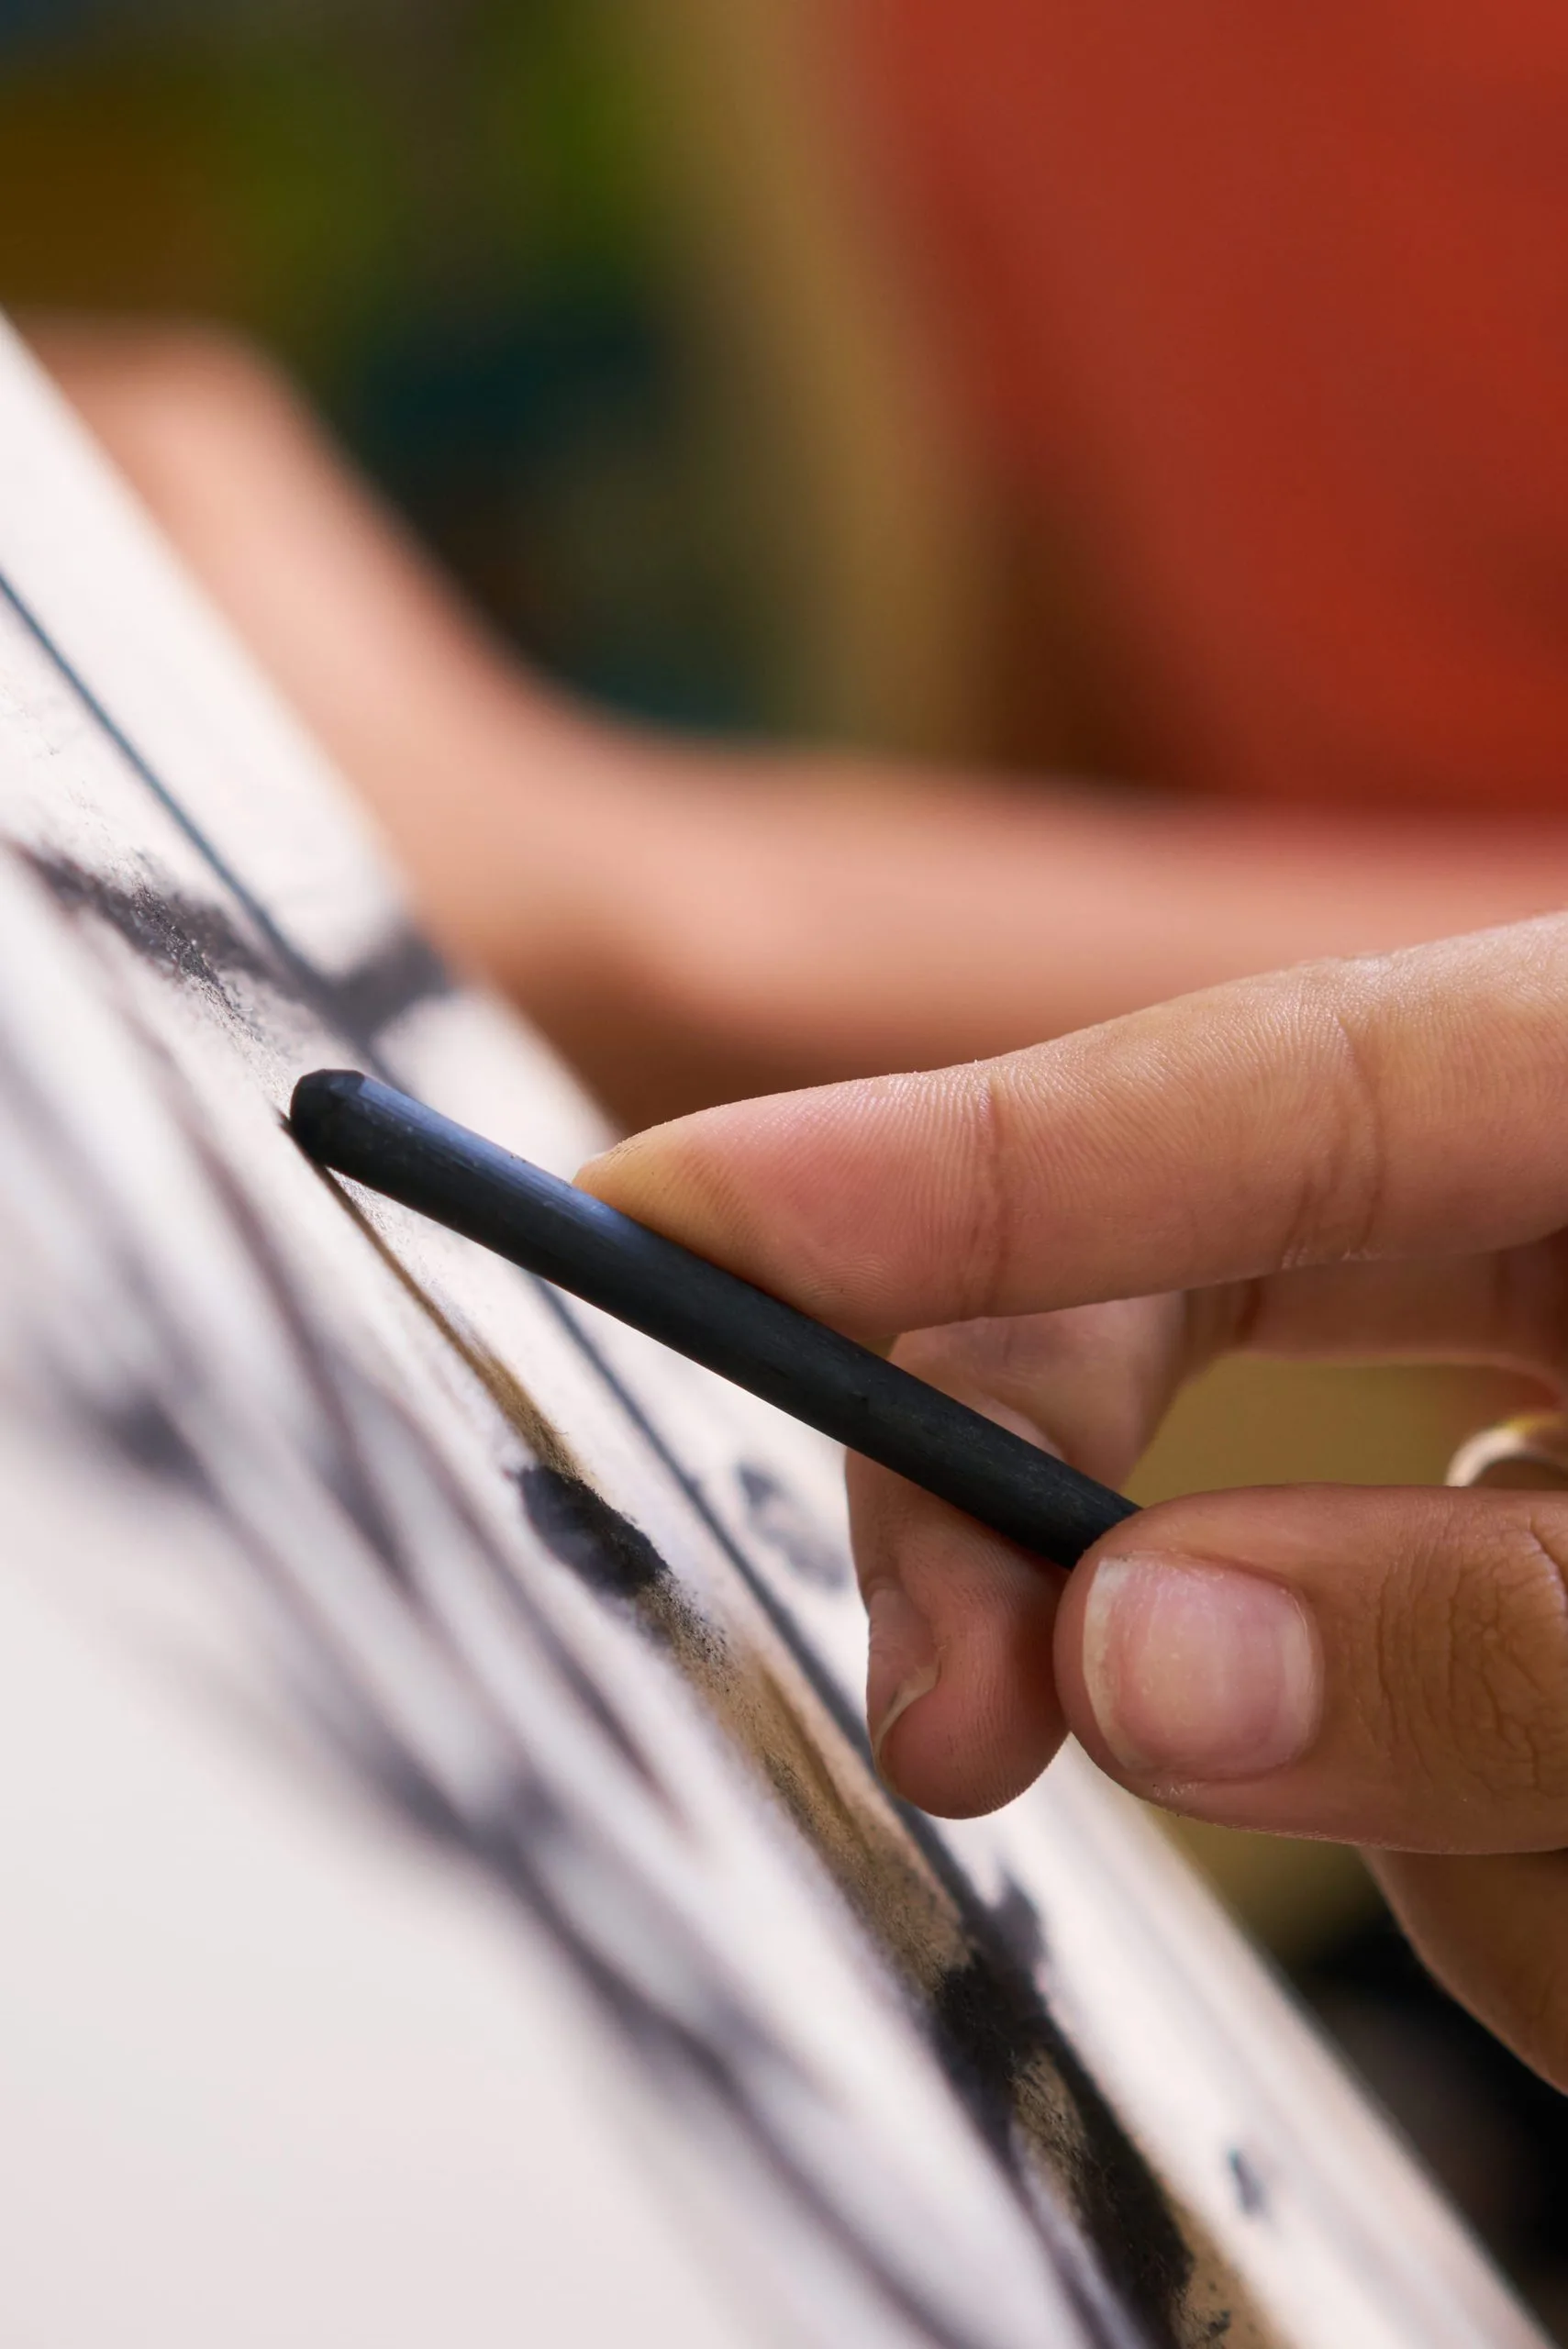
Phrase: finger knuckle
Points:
(1337, 1208)
(988, 1242)
(1502, 1687)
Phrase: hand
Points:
(1363, 1157)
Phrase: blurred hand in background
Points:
(691, 923)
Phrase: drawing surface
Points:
(448, 1895)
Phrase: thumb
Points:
(1381, 1667)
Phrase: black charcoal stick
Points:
(392, 1144)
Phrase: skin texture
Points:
(691, 923)
(1352, 1158)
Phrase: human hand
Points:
(1364, 1157)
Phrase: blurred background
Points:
(604, 295)
(578, 283)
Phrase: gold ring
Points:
(1528, 1454)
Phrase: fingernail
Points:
(902, 1666)
(1198, 1672)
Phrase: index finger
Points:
(1407, 1103)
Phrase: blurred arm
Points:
(690, 924)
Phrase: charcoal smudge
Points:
(144, 1431)
(604, 1549)
(777, 1518)
(1251, 2194)
(192, 942)
(1016, 1922)
(197, 942)
(998, 2044)
(405, 970)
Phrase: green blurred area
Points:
(449, 218)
